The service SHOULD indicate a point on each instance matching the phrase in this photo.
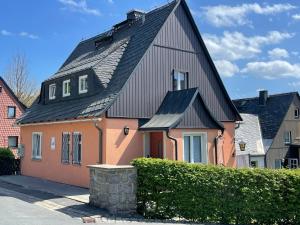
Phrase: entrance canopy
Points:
(182, 109)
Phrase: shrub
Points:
(201, 193)
(6, 153)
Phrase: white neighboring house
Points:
(249, 132)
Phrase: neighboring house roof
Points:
(12, 94)
(249, 131)
(116, 55)
(271, 114)
(173, 109)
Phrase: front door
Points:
(156, 145)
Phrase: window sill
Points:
(76, 164)
(36, 159)
(65, 163)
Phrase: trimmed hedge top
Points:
(169, 189)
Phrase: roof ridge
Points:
(272, 95)
(147, 13)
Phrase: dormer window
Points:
(83, 84)
(180, 80)
(52, 90)
(66, 88)
(297, 113)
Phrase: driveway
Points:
(20, 205)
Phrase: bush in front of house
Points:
(8, 164)
(201, 193)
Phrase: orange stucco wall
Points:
(50, 166)
(228, 146)
(118, 148)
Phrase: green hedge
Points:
(168, 189)
(8, 164)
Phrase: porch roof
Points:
(173, 108)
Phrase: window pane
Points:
(278, 164)
(65, 147)
(12, 142)
(197, 149)
(187, 148)
(179, 81)
(11, 112)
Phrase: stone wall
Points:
(113, 188)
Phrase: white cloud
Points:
(278, 53)
(235, 45)
(111, 1)
(294, 84)
(226, 68)
(296, 16)
(5, 33)
(273, 69)
(225, 15)
(28, 35)
(79, 6)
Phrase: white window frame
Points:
(64, 93)
(41, 136)
(178, 84)
(64, 161)
(52, 97)
(204, 146)
(290, 137)
(82, 91)
(293, 162)
(81, 148)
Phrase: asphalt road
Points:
(22, 206)
(15, 210)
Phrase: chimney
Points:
(135, 14)
(263, 97)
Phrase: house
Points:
(10, 109)
(147, 87)
(253, 153)
(280, 125)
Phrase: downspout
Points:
(216, 147)
(100, 141)
(175, 141)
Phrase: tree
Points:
(17, 77)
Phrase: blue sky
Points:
(255, 45)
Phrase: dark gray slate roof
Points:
(113, 61)
(173, 108)
(271, 115)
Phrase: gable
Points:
(178, 47)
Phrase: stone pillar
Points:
(113, 188)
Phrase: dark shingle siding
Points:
(271, 115)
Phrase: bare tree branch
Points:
(18, 79)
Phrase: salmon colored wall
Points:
(228, 147)
(50, 166)
(119, 148)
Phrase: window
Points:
(36, 145)
(254, 164)
(13, 142)
(65, 148)
(83, 84)
(52, 89)
(0, 89)
(288, 137)
(11, 112)
(195, 148)
(297, 113)
(278, 163)
(66, 88)
(180, 80)
(293, 163)
(77, 147)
